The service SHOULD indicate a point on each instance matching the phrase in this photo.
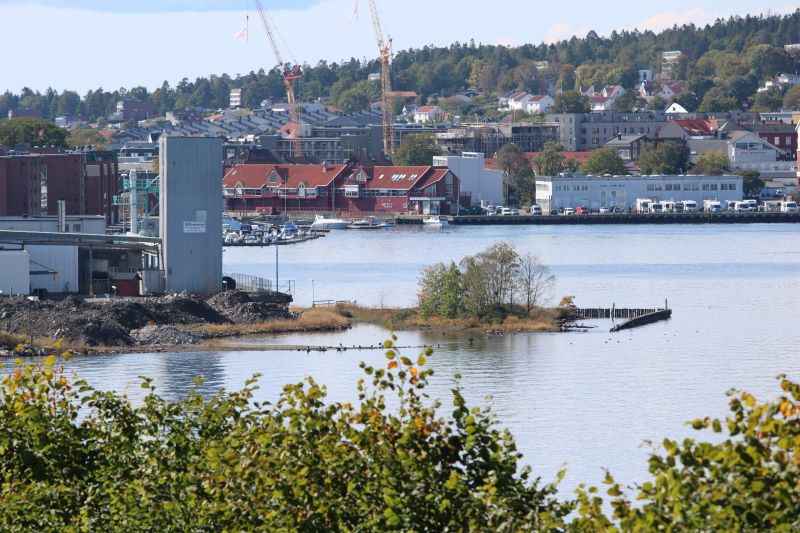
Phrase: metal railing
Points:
(250, 283)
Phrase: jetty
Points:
(641, 320)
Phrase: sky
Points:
(86, 44)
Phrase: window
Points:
(658, 186)
(651, 187)
(731, 186)
(706, 186)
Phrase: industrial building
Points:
(482, 185)
(594, 192)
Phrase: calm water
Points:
(586, 400)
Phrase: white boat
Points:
(370, 223)
(326, 222)
(435, 221)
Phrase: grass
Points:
(309, 320)
(409, 318)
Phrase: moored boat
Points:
(435, 221)
(326, 222)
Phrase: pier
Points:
(613, 218)
(594, 313)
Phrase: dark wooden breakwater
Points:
(613, 218)
(641, 320)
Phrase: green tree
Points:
(791, 99)
(571, 102)
(78, 459)
(711, 164)
(628, 102)
(32, 132)
(417, 149)
(749, 481)
(517, 173)
(657, 103)
(717, 100)
(751, 182)
(771, 100)
(84, 136)
(668, 157)
(549, 161)
(604, 161)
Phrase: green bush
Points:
(77, 459)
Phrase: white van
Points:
(656, 207)
(689, 206)
(643, 205)
(667, 206)
(712, 206)
(536, 209)
(743, 207)
(789, 206)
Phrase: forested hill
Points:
(731, 58)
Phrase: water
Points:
(587, 400)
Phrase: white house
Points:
(781, 82)
(539, 104)
(594, 192)
(483, 184)
(601, 103)
(428, 113)
(675, 109)
(748, 151)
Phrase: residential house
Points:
(25, 112)
(133, 110)
(667, 90)
(781, 82)
(341, 188)
(236, 98)
(601, 103)
(539, 104)
(778, 134)
(428, 113)
(628, 147)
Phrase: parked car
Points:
(568, 211)
(509, 211)
(580, 210)
(616, 209)
(536, 209)
(604, 210)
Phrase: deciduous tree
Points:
(571, 102)
(417, 149)
(32, 132)
(668, 157)
(711, 164)
(604, 161)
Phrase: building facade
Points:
(482, 185)
(594, 192)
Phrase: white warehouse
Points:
(594, 192)
(484, 185)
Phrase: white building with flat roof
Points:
(484, 185)
(594, 192)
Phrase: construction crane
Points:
(290, 74)
(387, 95)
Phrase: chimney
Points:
(619, 136)
(324, 166)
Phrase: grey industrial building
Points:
(191, 213)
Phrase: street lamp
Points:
(313, 299)
(114, 290)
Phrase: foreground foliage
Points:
(76, 459)
(228, 463)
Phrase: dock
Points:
(641, 320)
(613, 218)
(594, 313)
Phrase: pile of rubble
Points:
(111, 322)
(164, 335)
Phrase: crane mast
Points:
(289, 74)
(387, 96)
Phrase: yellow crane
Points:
(290, 74)
(387, 95)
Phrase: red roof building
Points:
(341, 188)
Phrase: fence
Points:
(249, 283)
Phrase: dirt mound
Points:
(240, 308)
(110, 322)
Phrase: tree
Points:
(32, 132)
(657, 103)
(571, 102)
(516, 170)
(534, 280)
(604, 161)
(79, 459)
(748, 481)
(83, 137)
(711, 164)
(549, 161)
(791, 100)
(628, 102)
(751, 182)
(716, 100)
(417, 149)
(771, 100)
(668, 157)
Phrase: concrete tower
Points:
(190, 208)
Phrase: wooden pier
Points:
(613, 218)
(600, 313)
(641, 320)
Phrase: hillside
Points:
(724, 62)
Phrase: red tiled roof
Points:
(600, 99)
(538, 98)
(425, 109)
(698, 126)
(403, 178)
(256, 176)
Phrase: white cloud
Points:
(662, 21)
(562, 30)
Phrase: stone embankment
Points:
(124, 322)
